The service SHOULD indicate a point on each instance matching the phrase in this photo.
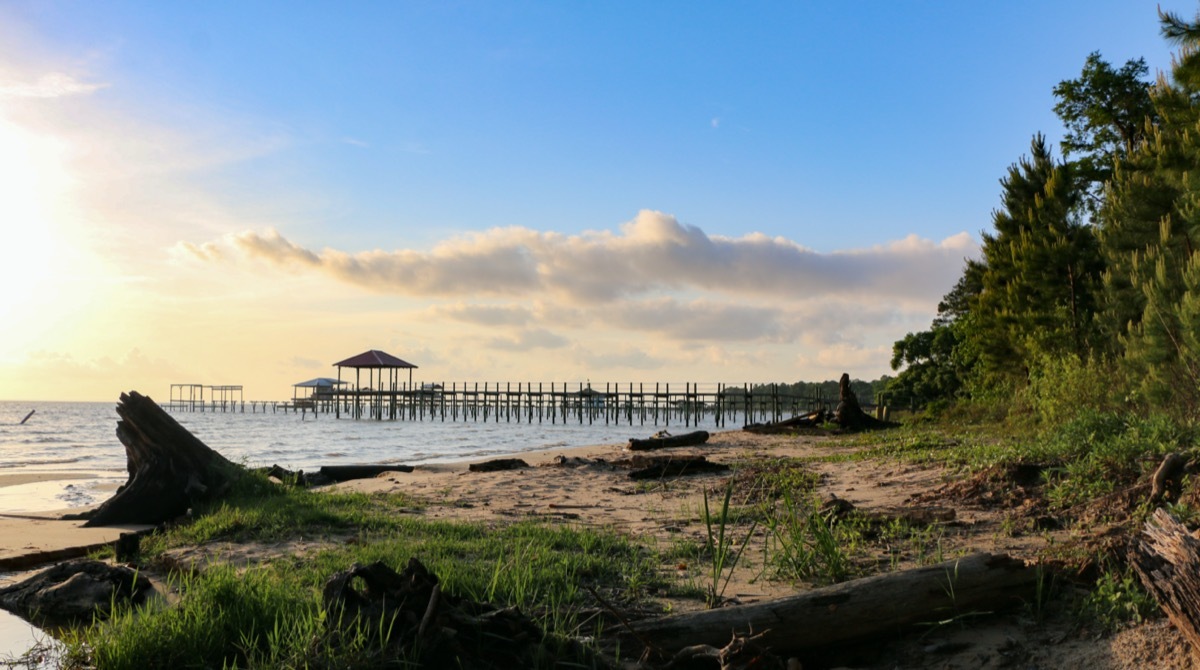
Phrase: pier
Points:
(634, 403)
(385, 396)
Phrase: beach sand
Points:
(31, 508)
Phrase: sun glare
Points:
(33, 185)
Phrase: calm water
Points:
(80, 437)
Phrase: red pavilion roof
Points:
(374, 359)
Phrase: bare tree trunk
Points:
(854, 610)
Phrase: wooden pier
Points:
(656, 404)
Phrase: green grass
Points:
(271, 615)
(1117, 600)
(720, 546)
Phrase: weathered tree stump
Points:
(1167, 560)
(170, 470)
(849, 414)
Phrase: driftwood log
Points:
(498, 465)
(1167, 560)
(412, 622)
(170, 470)
(330, 474)
(1168, 478)
(859, 609)
(657, 467)
(342, 473)
(665, 442)
(810, 420)
(74, 592)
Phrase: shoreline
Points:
(42, 476)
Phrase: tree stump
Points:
(1167, 559)
(849, 414)
(170, 470)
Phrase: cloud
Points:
(699, 320)
(528, 341)
(485, 315)
(652, 253)
(620, 357)
(50, 85)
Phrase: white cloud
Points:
(50, 85)
(654, 253)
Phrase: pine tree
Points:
(1041, 270)
(1150, 238)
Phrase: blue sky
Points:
(835, 128)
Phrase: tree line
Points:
(1087, 288)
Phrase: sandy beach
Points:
(31, 510)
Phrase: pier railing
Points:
(686, 403)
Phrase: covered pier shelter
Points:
(382, 380)
(316, 391)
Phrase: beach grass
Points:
(271, 615)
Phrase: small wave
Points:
(41, 461)
(335, 454)
(46, 439)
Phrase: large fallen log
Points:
(342, 473)
(1167, 560)
(859, 609)
(810, 420)
(667, 441)
(170, 470)
(330, 474)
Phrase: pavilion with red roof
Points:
(375, 360)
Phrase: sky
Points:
(248, 192)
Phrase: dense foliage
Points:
(1091, 272)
